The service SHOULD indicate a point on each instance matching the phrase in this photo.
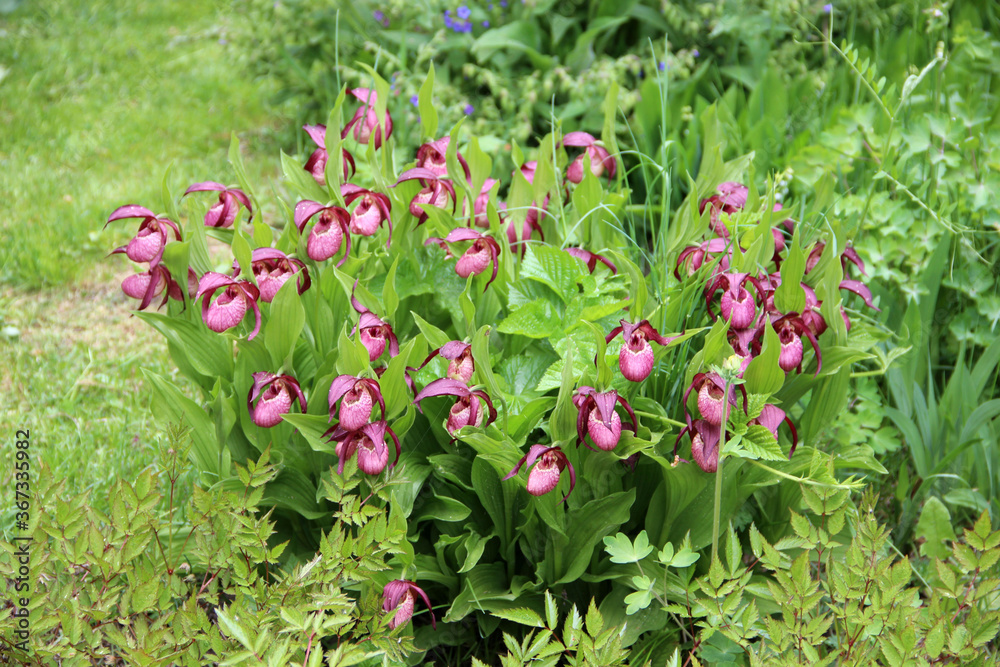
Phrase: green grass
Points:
(96, 99)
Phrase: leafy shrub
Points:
(358, 324)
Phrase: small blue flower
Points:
(448, 23)
(503, 3)
(696, 53)
(468, 109)
(827, 8)
(661, 65)
(463, 12)
(414, 100)
(486, 24)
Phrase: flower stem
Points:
(716, 513)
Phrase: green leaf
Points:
(243, 254)
(285, 323)
(760, 443)
(207, 352)
(623, 551)
(425, 103)
(435, 337)
(236, 159)
(522, 616)
(585, 526)
(637, 601)
(562, 421)
(763, 375)
(790, 297)
(536, 319)
(936, 529)
(390, 301)
(553, 267)
(177, 408)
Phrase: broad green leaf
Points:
(174, 407)
(236, 159)
(537, 319)
(623, 551)
(208, 353)
(586, 526)
(763, 375)
(285, 323)
(790, 297)
(243, 255)
(553, 267)
(562, 422)
(425, 103)
(389, 298)
(935, 528)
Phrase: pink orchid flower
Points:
(710, 388)
(591, 259)
(368, 443)
(316, 164)
(150, 284)
(148, 243)
(365, 120)
(460, 363)
(483, 252)
(276, 394)
(549, 463)
(601, 162)
(598, 419)
(433, 157)
(467, 410)
(398, 598)
(223, 213)
(636, 357)
(437, 191)
(357, 396)
(329, 232)
(228, 310)
(272, 269)
(371, 211)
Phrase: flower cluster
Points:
(747, 302)
(355, 432)
(146, 247)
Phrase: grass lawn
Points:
(96, 100)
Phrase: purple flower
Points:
(696, 53)
(827, 8)
(329, 232)
(483, 252)
(463, 12)
(276, 393)
(597, 417)
(549, 462)
(271, 269)
(468, 109)
(600, 161)
(486, 24)
(223, 213)
(228, 310)
(368, 443)
(365, 121)
(467, 410)
(359, 397)
(661, 66)
(147, 245)
(636, 357)
(414, 100)
(316, 164)
(398, 597)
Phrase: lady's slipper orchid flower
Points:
(483, 252)
(529, 225)
(365, 120)
(710, 388)
(316, 164)
(368, 443)
(770, 418)
(228, 310)
(398, 598)
(329, 232)
(737, 305)
(528, 170)
(849, 255)
(147, 286)
(467, 410)
(600, 161)
(276, 393)
(705, 439)
(548, 462)
(147, 245)
(729, 198)
(373, 209)
(636, 357)
(433, 156)
(460, 363)
(437, 191)
(359, 397)
(374, 334)
(272, 269)
(790, 329)
(693, 257)
(223, 213)
(591, 259)
(597, 417)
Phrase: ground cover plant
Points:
(548, 417)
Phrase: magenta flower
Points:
(549, 463)
(150, 284)
(693, 257)
(597, 417)
(729, 198)
(790, 329)
(467, 410)
(223, 213)
(375, 334)
(228, 310)
(849, 255)
(433, 157)
(591, 259)
(528, 170)
(710, 388)
(148, 243)
(437, 191)
(636, 357)
(365, 120)
(359, 397)
(600, 161)
(368, 443)
(329, 232)
(372, 210)
(460, 363)
(483, 252)
(316, 164)
(705, 439)
(272, 269)
(276, 393)
(398, 599)
(736, 303)
(529, 225)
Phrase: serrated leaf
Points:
(522, 616)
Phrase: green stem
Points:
(716, 513)
(801, 480)
(665, 420)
